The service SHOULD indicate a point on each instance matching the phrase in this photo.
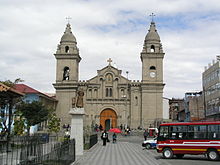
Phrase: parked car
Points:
(150, 143)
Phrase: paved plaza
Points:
(127, 151)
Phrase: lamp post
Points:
(127, 105)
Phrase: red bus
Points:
(189, 138)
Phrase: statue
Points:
(73, 102)
(79, 101)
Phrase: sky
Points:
(30, 31)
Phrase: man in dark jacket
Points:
(104, 137)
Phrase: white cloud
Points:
(31, 30)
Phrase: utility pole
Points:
(127, 103)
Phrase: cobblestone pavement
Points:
(127, 151)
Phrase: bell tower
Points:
(152, 78)
(68, 58)
(67, 74)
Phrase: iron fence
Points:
(37, 150)
(93, 140)
(90, 141)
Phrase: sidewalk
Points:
(120, 153)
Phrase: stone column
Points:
(77, 128)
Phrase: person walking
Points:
(104, 137)
(145, 134)
(114, 138)
(100, 127)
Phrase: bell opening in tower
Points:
(66, 73)
(152, 48)
(67, 49)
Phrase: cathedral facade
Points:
(111, 99)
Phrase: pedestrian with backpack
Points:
(114, 138)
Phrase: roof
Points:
(152, 34)
(28, 90)
(68, 35)
(6, 91)
(25, 89)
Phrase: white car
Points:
(150, 143)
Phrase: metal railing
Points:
(93, 140)
(90, 141)
(37, 150)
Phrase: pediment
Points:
(101, 75)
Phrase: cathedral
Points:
(109, 98)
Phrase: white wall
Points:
(165, 108)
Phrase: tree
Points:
(19, 124)
(53, 123)
(34, 113)
(7, 103)
(9, 83)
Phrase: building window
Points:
(67, 49)
(90, 93)
(123, 93)
(108, 92)
(152, 68)
(136, 100)
(152, 48)
(66, 73)
(96, 93)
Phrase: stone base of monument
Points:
(77, 128)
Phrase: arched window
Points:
(90, 93)
(110, 92)
(96, 93)
(106, 92)
(152, 68)
(66, 73)
(152, 48)
(123, 93)
(67, 49)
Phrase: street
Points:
(187, 159)
(129, 151)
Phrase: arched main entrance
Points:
(108, 119)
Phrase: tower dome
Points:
(152, 34)
(68, 35)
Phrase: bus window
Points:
(163, 133)
(178, 132)
(214, 131)
(197, 132)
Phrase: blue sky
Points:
(31, 29)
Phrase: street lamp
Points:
(127, 106)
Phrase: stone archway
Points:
(108, 119)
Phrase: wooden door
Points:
(108, 114)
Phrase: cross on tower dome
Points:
(68, 19)
(152, 15)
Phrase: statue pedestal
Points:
(77, 128)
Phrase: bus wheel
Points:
(212, 155)
(167, 153)
(179, 156)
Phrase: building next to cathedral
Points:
(111, 99)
